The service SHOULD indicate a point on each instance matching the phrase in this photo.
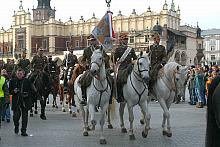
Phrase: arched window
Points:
(177, 57)
(183, 58)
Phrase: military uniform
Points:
(69, 61)
(158, 57)
(38, 63)
(124, 70)
(24, 64)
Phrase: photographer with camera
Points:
(21, 90)
(4, 94)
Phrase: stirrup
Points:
(83, 102)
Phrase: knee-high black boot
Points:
(119, 93)
(84, 97)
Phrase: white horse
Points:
(98, 93)
(135, 92)
(168, 85)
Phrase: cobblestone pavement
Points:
(62, 130)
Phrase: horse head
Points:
(180, 75)
(142, 66)
(97, 62)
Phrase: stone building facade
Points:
(43, 30)
(212, 46)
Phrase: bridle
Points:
(137, 75)
(100, 80)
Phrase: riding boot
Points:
(119, 93)
(84, 97)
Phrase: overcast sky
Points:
(206, 12)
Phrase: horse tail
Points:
(112, 109)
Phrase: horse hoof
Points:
(93, 122)
(132, 137)
(144, 135)
(169, 134)
(43, 117)
(123, 130)
(142, 121)
(70, 112)
(110, 126)
(31, 115)
(61, 103)
(56, 107)
(88, 128)
(35, 112)
(53, 106)
(48, 102)
(64, 110)
(67, 103)
(85, 134)
(74, 114)
(103, 141)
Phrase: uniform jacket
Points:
(120, 51)
(38, 62)
(157, 54)
(88, 53)
(24, 95)
(70, 60)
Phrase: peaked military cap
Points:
(123, 36)
(91, 37)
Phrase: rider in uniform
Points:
(158, 58)
(9, 67)
(125, 67)
(69, 62)
(24, 63)
(86, 78)
(38, 63)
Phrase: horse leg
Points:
(55, 99)
(131, 119)
(61, 94)
(35, 107)
(121, 114)
(169, 132)
(102, 122)
(147, 116)
(43, 105)
(166, 115)
(73, 107)
(84, 115)
(109, 117)
(92, 113)
(63, 104)
(31, 113)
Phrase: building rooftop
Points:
(211, 32)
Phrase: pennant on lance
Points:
(103, 32)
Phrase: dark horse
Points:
(53, 70)
(42, 83)
(213, 114)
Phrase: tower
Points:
(43, 11)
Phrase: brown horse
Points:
(70, 90)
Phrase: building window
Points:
(44, 44)
(146, 38)
(212, 57)
(212, 42)
(131, 39)
(21, 44)
(212, 48)
(77, 43)
(67, 44)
